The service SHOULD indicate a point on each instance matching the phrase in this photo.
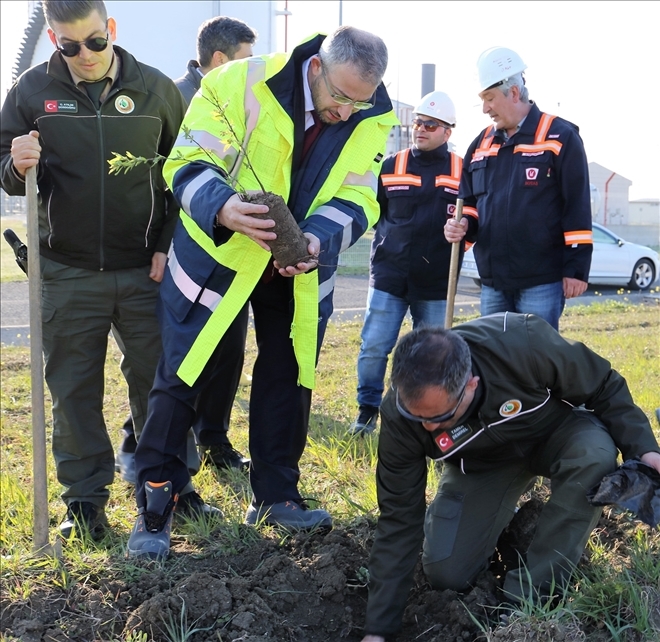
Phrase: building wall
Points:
(645, 212)
(640, 234)
(611, 205)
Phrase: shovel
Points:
(453, 270)
(40, 544)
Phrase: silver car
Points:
(614, 262)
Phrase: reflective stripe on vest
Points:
(454, 179)
(209, 298)
(400, 177)
(210, 143)
(249, 261)
(579, 237)
(540, 143)
(256, 72)
(486, 147)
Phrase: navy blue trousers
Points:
(279, 407)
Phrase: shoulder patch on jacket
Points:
(56, 106)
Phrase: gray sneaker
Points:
(366, 421)
(125, 466)
(292, 515)
(151, 534)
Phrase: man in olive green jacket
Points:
(497, 400)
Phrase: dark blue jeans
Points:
(545, 301)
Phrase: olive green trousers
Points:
(469, 512)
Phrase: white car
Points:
(614, 262)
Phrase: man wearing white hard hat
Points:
(409, 266)
(526, 189)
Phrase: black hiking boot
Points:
(224, 456)
(366, 421)
(84, 518)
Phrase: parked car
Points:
(614, 262)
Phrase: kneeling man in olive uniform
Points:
(501, 400)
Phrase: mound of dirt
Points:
(305, 588)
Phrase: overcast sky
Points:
(595, 64)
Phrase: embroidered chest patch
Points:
(124, 104)
(447, 439)
(61, 106)
(510, 408)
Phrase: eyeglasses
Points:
(439, 419)
(344, 100)
(71, 49)
(429, 125)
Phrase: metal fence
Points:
(356, 258)
(12, 205)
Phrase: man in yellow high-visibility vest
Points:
(314, 125)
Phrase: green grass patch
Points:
(11, 271)
(616, 594)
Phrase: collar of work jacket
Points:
(130, 76)
(290, 76)
(430, 157)
(194, 73)
(527, 129)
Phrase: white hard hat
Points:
(496, 65)
(437, 105)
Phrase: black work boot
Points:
(365, 422)
(84, 518)
(224, 456)
(192, 506)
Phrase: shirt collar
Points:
(307, 92)
(505, 136)
(112, 72)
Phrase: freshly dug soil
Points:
(305, 588)
(290, 246)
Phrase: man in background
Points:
(219, 40)
(526, 189)
(409, 266)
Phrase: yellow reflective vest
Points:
(211, 273)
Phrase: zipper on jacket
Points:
(104, 171)
(102, 192)
(102, 183)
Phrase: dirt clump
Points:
(270, 587)
(290, 246)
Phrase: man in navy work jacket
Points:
(409, 267)
(526, 190)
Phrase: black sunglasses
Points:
(71, 49)
(438, 419)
